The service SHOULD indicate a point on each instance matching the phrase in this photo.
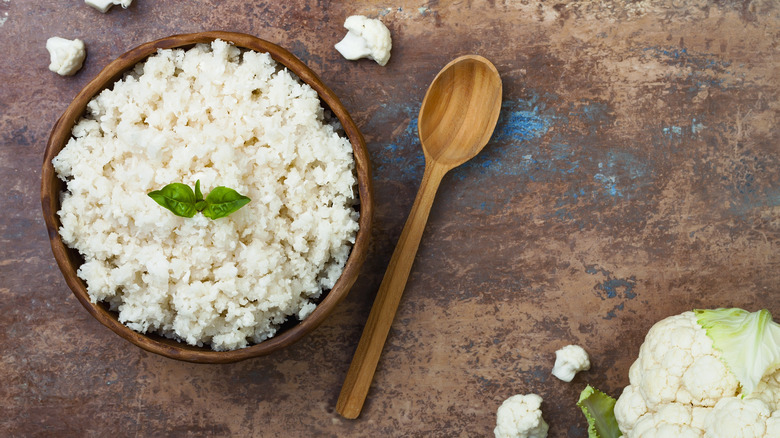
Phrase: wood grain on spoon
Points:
(457, 118)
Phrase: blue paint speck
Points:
(402, 157)
(518, 124)
(613, 286)
(609, 183)
(696, 127)
(699, 67)
(611, 314)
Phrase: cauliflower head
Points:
(520, 416)
(679, 386)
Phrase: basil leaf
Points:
(176, 197)
(198, 194)
(222, 201)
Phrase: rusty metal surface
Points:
(633, 175)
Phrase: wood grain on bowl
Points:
(69, 260)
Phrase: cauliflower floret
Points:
(66, 55)
(104, 5)
(768, 391)
(570, 360)
(520, 416)
(677, 363)
(670, 420)
(735, 417)
(755, 415)
(629, 408)
(366, 38)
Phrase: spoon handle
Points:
(361, 370)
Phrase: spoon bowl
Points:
(460, 110)
(457, 118)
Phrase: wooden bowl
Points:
(69, 259)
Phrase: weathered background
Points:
(633, 175)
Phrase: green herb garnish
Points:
(182, 201)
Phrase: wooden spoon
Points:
(457, 118)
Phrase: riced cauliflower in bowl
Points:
(225, 110)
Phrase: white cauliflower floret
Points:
(671, 420)
(629, 408)
(520, 416)
(366, 38)
(570, 360)
(755, 415)
(104, 5)
(768, 391)
(66, 55)
(677, 363)
(679, 386)
(735, 417)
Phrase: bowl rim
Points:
(67, 258)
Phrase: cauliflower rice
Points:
(228, 118)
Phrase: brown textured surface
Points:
(634, 175)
